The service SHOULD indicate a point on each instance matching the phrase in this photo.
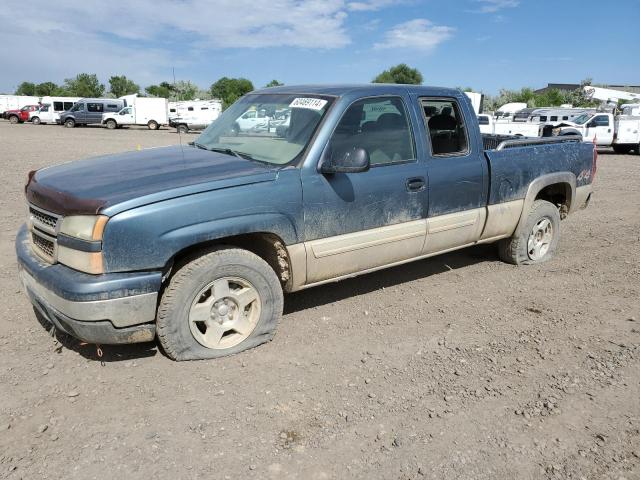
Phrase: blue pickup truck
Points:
(195, 244)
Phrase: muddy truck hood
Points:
(123, 181)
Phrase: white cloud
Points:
(371, 5)
(492, 6)
(44, 40)
(418, 34)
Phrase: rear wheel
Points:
(539, 238)
(111, 124)
(14, 119)
(153, 125)
(219, 303)
(182, 128)
(69, 123)
(35, 120)
(622, 149)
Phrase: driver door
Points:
(355, 222)
(600, 129)
(126, 116)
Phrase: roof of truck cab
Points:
(339, 90)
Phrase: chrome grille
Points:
(44, 230)
(46, 246)
(44, 218)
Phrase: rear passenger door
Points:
(358, 221)
(457, 171)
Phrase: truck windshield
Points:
(582, 119)
(271, 128)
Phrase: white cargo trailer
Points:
(16, 102)
(149, 111)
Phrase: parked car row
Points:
(113, 113)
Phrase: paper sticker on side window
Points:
(312, 103)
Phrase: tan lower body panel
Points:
(335, 258)
(582, 194)
(502, 219)
(354, 252)
(453, 230)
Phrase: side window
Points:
(190, 109)
(67, 105)
(446, 127)
(380, 126)
(58, 106)
(601, 121)
(172, 110)
(543, 118)
(565, 118)
(554, 118)
(483, 120)
(95, 107)
(111, 106)
(204, 108)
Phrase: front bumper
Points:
(109, 309)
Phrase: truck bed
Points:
(500, 142)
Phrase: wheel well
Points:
(558, 194)
(267, 246)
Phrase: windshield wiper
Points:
(230, 151)
(198, 145)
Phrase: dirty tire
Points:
(35, 120)
(182, 129)
(196, 273)
(111, 124)
(153, 125)
(69, 123)
(514, 250)
(14, 120)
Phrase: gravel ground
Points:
(457, 367)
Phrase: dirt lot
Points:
(455, 367)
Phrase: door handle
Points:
(416, 184)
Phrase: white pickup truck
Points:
(489, 126)
(621, 132)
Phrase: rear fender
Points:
(536, 187)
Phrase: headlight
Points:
(85, 227)
(80, 242)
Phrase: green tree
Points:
(274, 83)
(84, 85)
(47, 88)
(185, 90)
(120, 85)
(230, 89)
(164, 90)
(26, 88)
(401, 73)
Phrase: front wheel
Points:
(14, 119)
(35, 120)
(153, 125)
(111, 124)
(219, 303)
(538, 239)
(69, 123)
(182, 129)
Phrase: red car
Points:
(22, 115)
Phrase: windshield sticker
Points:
(311, 103)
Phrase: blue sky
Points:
(484, 44)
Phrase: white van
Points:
(51, 108)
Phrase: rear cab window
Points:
(445, 126)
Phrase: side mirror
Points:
(355, 160)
